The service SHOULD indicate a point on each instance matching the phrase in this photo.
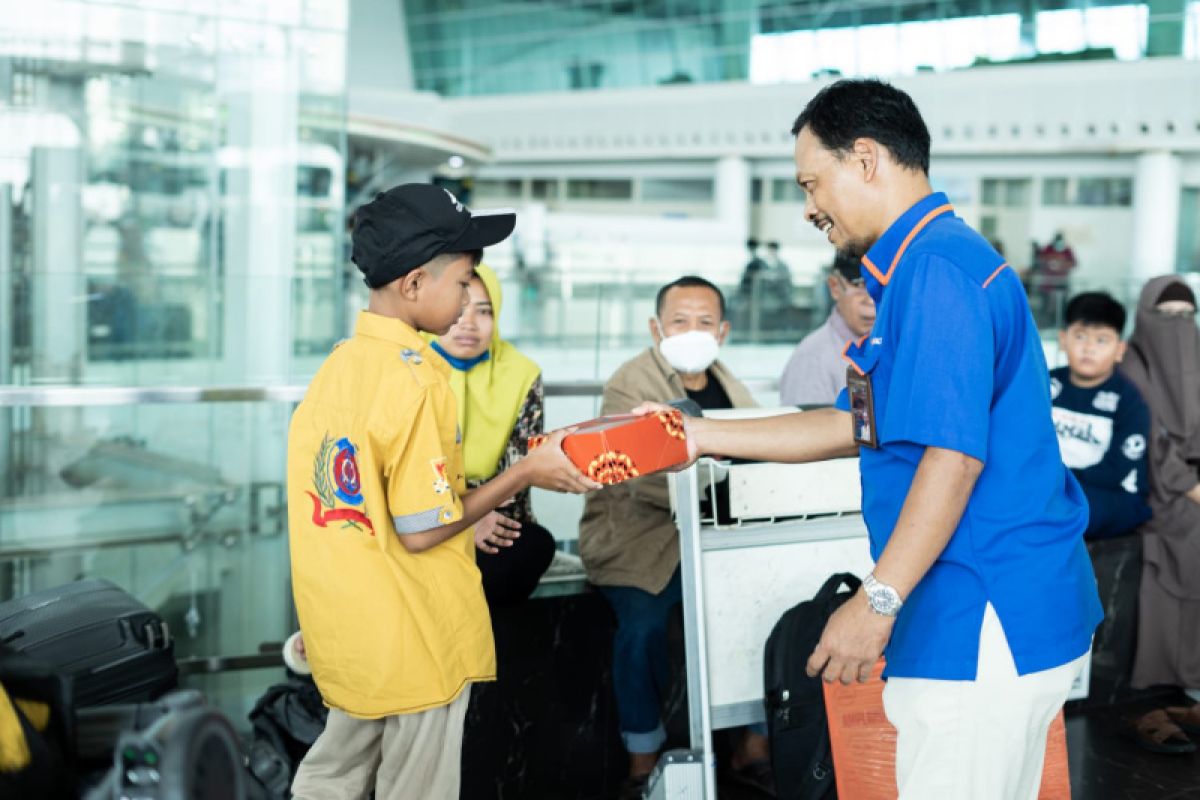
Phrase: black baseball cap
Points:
(848, 267)
(411, 224)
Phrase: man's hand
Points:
(547, 467)
(851, 643)
(495, 531)
(1194, 494)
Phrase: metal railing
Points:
(67, 396)
(94, 396)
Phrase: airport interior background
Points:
(177, 179)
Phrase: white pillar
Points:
(59, 289)
(6, 342)
(732, 190)
(6, 300)
(260, 216)
(1156, 196)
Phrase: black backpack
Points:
(286, 721)
(795, 703)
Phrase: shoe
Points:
(634, 787)
(1157, 733)
(755, 775)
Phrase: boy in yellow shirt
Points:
(395, 623)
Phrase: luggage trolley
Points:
(783, 531)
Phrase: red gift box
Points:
(610, 450)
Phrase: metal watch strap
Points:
(882, 598)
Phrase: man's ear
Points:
(1062, 341)
(1121, 346)
(724, 332)
(655, 333)
(835, 287)
(866, 157)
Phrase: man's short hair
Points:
(1096, 308)
(867, 108)
(685, 282)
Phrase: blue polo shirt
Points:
(955, 362)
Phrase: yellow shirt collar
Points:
(397, 332)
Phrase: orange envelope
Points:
(611, 450)
(864, 744)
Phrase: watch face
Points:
(884, 600)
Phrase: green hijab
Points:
(491, 393)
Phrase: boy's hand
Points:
(547, 467)
(691, 426)
(496, 531)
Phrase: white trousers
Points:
(976, 740)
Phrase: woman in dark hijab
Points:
(1163, 361)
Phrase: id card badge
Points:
(862, 408)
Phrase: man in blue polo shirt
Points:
(983, 597)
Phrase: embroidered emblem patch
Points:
(441, 484)
(1055, 388)
(410, 356)
(1106, 401)
(336, 478)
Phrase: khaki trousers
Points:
(976, 740)
(402, 757)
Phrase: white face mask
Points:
(690, 352)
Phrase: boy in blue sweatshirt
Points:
(1101, 419)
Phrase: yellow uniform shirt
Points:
(374, 455)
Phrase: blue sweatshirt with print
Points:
(1102, 433)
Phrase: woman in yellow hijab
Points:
(499, 393)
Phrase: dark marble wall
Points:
(548, 727)
(1118, 565)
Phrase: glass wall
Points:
(171, 214)
(483, 47)
(172, 176)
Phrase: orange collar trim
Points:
(928, 218)
(846, 350)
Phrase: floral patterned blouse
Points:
(529, 423)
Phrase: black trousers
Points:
(511, 575)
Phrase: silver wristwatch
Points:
(883, 599)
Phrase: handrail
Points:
(68, 396)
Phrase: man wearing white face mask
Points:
(627, 539)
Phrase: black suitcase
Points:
(113, 648)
